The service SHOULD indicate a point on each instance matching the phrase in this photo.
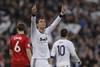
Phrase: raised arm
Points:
(56, 21)
(33, 20)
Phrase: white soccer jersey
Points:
(62, 49)
(40, 40)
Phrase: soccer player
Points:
(40, 38)
(20, 48)
(62, 49)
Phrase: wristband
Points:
(61, 14)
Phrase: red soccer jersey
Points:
(18, 44)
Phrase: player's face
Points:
(41, 23)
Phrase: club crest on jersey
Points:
(43, 39)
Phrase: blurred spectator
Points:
(1, 61)
(5, 24)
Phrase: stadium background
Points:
(83, 24)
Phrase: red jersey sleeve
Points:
(27, 45)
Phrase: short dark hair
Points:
(64, 32)
(40, 18)
(21, 26)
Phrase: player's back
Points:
(18, 47)
(62, 52)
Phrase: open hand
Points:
(65, 10)
(62, 9)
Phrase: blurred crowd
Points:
(82, 22)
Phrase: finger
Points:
(34, 5)
(62, 5)
(33, 8)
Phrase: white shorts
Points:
(39, 63)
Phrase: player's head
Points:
(41, 23)
(64, 32)
(21, 27)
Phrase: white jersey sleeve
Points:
(53, 51)
(53, 25)
(33, 26)
(74, 56)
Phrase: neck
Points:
(20, 32)
(63, 37)
(41, 30)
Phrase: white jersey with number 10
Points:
(62, 49)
